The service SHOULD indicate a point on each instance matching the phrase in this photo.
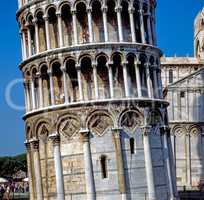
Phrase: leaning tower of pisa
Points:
(96, 122)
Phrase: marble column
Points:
(119, 19)
(125, 77)
(78, 68)
(66, 95)
(138, 78)
(132, 23)
(160, 82)
(95, 80)
(172, 161)
(89, 175)
(105, 25)
(90, 25)
(33, 93)
(74, 21)
(59, 23)
(156, 87)
(52, 94)
(153, 20)
(58, 166)
(47, 32)
(29, 167)
(119, 162)
(149, 84)
(148, 14)
(37, 169)
(29, 42)
(27, 96)
(168, 166)
(24, 45)
(40, 88)
(110, 76)
(37, 37)
(148, 162)
(142, 29)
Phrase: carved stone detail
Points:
(99, 124)
(69, 127)
(131, 121)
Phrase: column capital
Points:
(131, 10)
(146, 130)
(45, 17)
(117, 131)
(84, 135)
(35, 144)
(55, 138)
(59, 14)
(165, 130)
(104, 9)
(89, 9)
(27, 145)
(141, 11)
(63, 68)
(73, 11)
(78, 67)
(118, 9)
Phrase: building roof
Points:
(180, 61)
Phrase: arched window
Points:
(132, 146)
(104, 173)
(82, 23)
(102, 77)
(67, 25)
(97, 16)
(171, 78)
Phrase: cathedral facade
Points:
(96, 120)
(183, 85)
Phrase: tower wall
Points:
(96, 121)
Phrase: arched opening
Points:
(137, 23)
(32, 34)
(97, 17)
(112, 21)
(126, 22)
(73, 86)
(67, 25)
(132, 82)
(143, 75)
(132, 146)
(41, 31)
(118, 80)
(82, 23)
(87, 78)
(104, 172)
(53, 27)
(45, 86)
(102, 77)
(36, 87)
(58, 83)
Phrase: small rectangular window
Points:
(182, 94)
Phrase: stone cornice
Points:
(142, 102)
(134, 47)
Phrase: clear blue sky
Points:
(175, 36)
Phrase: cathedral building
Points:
(96, 121)
(183, 84)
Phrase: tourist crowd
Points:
(8, 190)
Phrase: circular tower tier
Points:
(96, 121)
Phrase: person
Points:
(7, 193)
